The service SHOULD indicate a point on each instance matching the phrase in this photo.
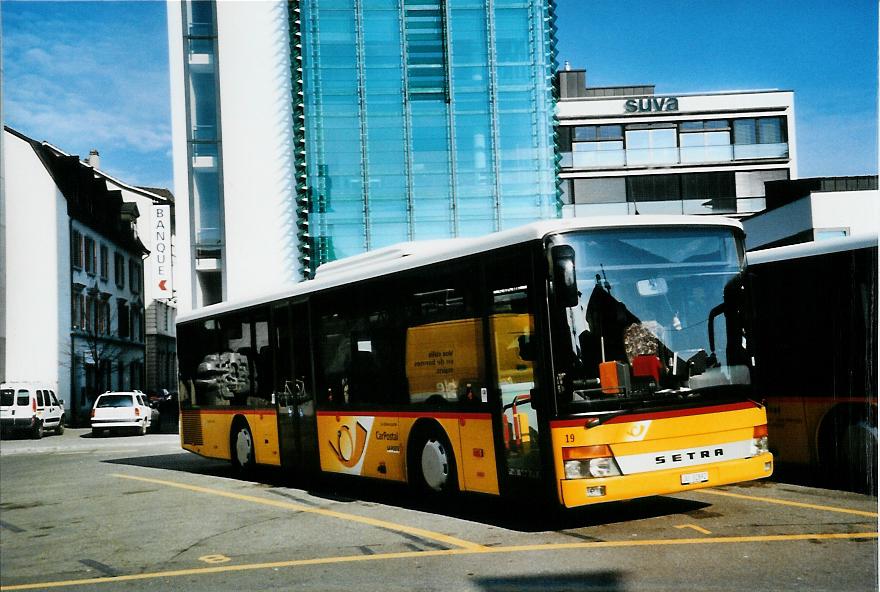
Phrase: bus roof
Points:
(812, 249)
(414, 254)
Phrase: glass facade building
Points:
(423, 119)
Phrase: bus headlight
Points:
(759, 441)
(586, 462)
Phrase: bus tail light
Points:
(137, 411)
(586, 462)
(34, 405)
(759, 440)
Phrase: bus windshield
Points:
(645, 315)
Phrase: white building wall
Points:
(855, 211)
(38, 271)
(858, 212)
(258, 185)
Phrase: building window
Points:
(598, 146)
(90, 256)
(119, 270)
(705, 141)
(601, 190)
(134, 276)
(105, 263)
(76, 249)
(90, 324)
(122, 319)
(651, 144)
(77, 309)
(425, 49)
(760, 137)
(828, 233)
(103, 314)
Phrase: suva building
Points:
(627, 150)
(312, 130)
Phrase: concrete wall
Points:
(255, 111)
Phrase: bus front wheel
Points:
(433, 462)
(242, 448)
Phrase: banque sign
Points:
(651, 105)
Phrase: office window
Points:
(601, 190)
(705, 141)
(597, 146)
(653, 188)
(651, 144)
(762, 130)
(762, 137)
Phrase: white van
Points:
(31, 407)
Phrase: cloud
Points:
(90, 76)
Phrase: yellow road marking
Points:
(771, 500)
(695, 527)
(446, 553)
(420, 532)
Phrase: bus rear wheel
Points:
(433, 463)
(242, 448)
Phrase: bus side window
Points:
(443, 349)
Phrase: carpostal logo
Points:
(349, 448)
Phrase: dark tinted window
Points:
(24, 398)
(7, 396)
(115, 401)
(40, 401)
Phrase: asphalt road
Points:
(137, 513)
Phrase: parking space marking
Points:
(384, 524)
(695, 527)
(782, 502)
(444, 553)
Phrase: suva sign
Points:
(651, 105)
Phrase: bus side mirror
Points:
(564, 279)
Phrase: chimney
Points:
(94, 159)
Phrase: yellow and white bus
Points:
(816, 356)
(596, 360)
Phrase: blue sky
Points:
(85, 75)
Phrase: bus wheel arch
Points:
(431, 463)
(241, 445)
(847, 442)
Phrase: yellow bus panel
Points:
(662, 452)
(375, 446)
(207, 433)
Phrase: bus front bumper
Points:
(581, 492)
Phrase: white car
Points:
(30, 407)
(122, 411)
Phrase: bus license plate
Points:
(691, 478)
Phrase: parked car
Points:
(126, 410)
(30, 407)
